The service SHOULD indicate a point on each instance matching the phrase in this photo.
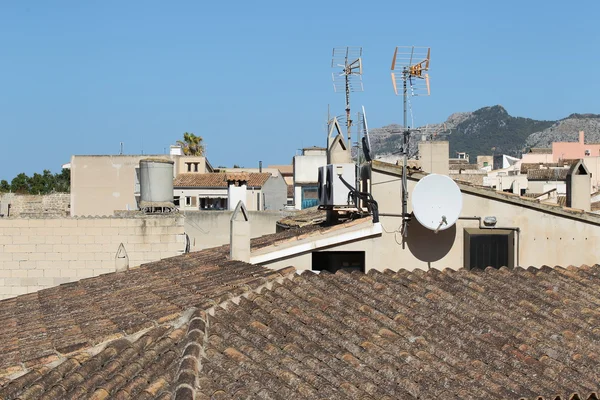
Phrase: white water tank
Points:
(156, 182)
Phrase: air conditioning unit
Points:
(336, 192)
(322, 185)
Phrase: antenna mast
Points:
(349, 79)
(409, 64)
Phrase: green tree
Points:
(42, 184)
(4, 186)
(62, 181)
(20, 184)
(191, 144)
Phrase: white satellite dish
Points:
(437, 202)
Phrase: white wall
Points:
(235, 194)
(306, 168)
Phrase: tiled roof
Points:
(462, 166)
(552, 174)
(44, 326)
(219, 180)
(494, 334)
(527, 166)
(539, 150)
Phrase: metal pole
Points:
(404, 158)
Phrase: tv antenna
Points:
(410, 64)
(364, 131)
(349, 79)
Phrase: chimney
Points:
(579, 187)
(121, 259)
(260, 166)
(434, 157)
(581, 138)
(239, 234)
(237, 188)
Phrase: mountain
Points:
(489, 130)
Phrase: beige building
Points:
(213, 191)
(526, 232)
(102, 184)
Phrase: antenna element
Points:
(409, 64)
(349, 79)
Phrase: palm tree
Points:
(191, 144)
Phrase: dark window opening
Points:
(208, 203)
(333, 261)
(189, 166)
(488, 248)
(176, 200)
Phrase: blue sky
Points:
(254, 78)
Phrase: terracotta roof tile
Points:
(551, 174)
(219, 180)
(494, 334)
(51, 323)
(540, 150)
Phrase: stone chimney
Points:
(581, 138)
(579, 187)
(237, 188)
(239, 234)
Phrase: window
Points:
(333, 261)
(485, 163)
(176, 201)
(188, 201)
(196, 167)
(188, 166)
(488, 248)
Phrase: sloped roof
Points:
(540, 150)
(219, 180)
(551, 174)
(41, 327)
(44, 326)
(453, 166)
(493, 334)
(527, 166)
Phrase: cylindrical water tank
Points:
(156, 181)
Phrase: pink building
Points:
(574, 150)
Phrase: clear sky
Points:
(254, 78)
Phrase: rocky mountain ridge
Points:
(487, 131)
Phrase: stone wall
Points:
(26, 205)
(36, 253)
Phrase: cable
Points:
(364, 196)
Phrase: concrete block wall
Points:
(211, 228)
(37, 253)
